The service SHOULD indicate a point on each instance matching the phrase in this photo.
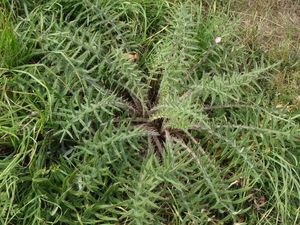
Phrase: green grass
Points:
(128, 112)
(9, 45)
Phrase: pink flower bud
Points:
(218, 40)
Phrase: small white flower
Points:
(218, 40)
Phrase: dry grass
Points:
(273, 26)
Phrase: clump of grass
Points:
(128, 115)
(11, 50)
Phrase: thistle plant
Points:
(135, 112)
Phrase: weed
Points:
(130, 112)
